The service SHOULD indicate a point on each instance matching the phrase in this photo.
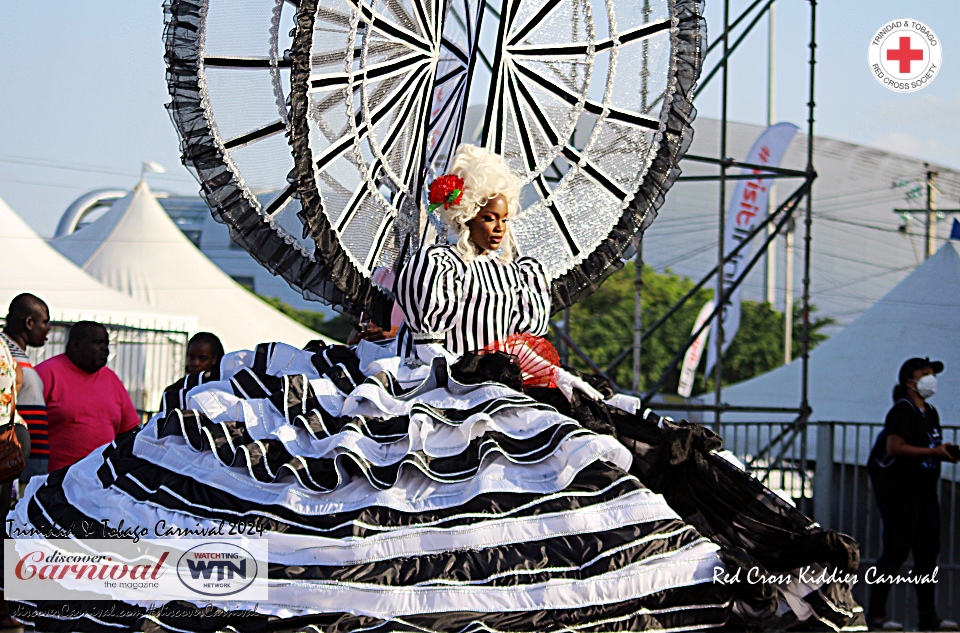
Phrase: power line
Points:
(44, 184)
(684, 256)
(80, 167)
(861, 224)
(886, 242)
(861, 280)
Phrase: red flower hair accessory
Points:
(445, 190)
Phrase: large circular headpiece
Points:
(589, 101)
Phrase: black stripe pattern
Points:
(470, 539)
(569, 543)
(468, 306)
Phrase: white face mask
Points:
(927, 386)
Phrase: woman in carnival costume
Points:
(436, 483)
(474, 292)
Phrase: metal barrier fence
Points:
(146, 360)
(841, 497)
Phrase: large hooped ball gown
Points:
(434, 494)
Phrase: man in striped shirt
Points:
(27, 325)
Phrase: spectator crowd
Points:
(69, 404)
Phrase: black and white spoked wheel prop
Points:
(229, 80)
(589, 100)
(379, 98)
(580, 102)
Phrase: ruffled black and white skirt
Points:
(434, 498)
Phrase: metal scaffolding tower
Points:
(779, 221)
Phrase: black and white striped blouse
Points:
(466, 307)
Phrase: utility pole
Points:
(788, 296)
(638, 243)
(931, 212)
(771, 272)
(771, 289)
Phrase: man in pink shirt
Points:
(87, 405)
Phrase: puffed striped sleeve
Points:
(428, 291)
(532, 312)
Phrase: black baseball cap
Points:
(913, 364)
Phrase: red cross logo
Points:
(905, 55)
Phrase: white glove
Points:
(630, 404)
(567, 382)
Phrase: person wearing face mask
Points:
(904, 467)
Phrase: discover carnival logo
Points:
(147, 569)
(905, 55)
(217, 569)
(57, 565)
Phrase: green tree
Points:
(758, 346)
(602, 325)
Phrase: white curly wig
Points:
(485, 176)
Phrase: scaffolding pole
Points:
(807, 250)
(809, 174)
(786, 225)
(721, 227)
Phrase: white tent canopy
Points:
(853, 373)
(137, 249)
(32, 266)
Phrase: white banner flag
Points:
(747, 208)
(152, 167)
(692, 358)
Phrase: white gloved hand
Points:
(567, 382)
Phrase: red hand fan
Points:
(538, 358)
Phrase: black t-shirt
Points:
(917, 428)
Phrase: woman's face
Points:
(489, 226)
(918, 374)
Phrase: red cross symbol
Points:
(905, 55)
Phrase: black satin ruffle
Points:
(230, 202)
(268, 461)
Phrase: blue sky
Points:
(82, 90)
